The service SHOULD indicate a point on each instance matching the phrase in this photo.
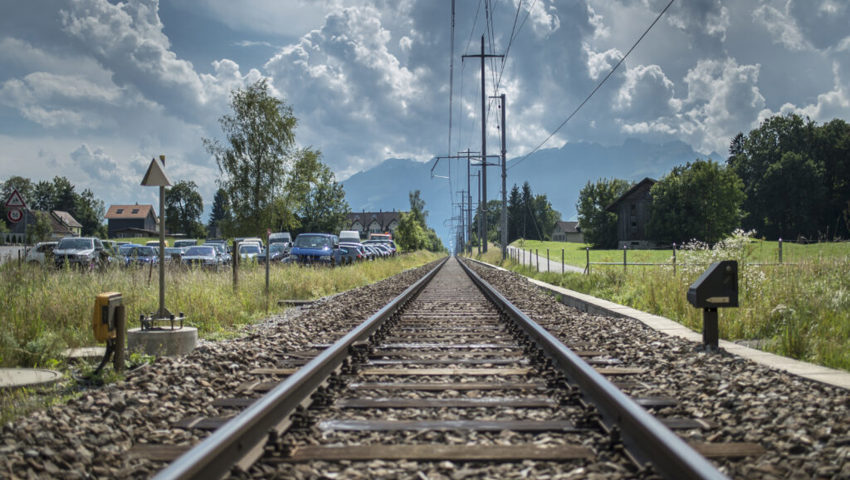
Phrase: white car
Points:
(40, 252)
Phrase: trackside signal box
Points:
(716, 288)
(103, 321)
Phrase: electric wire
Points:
(598, 86)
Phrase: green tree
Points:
(43, 196)
(260, 136)
(796, 177)
(89, 211)
(324, 208)
(700, 200)
(183, 208)
(598, 225)
(514, 214)
(412, 232)
(41, 230)
(220, 214)
(64, 196)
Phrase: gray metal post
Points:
(163, 313)
(504, 183)
(674, 258)
(537, 256)
(482, 208)
(468, 203)
(235, 259)
(562, 261)
(587, 268)
(780, 250)
(710, 331)
(625, 248)
(268, 262)
(120, 335)
(548, 262)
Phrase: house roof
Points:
(67, 219)
(383, 218)
(649, 182)
(568, 227)
(130, 211)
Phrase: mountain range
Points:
(559, 173)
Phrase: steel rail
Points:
(644, 436)
(244, 436)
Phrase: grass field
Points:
(800, 309)
(758, 251)
(44, 311)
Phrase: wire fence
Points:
(525, 257)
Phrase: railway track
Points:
(449, 371)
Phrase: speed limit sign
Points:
(15, 215)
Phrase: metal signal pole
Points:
(504, 219)
(483, 209)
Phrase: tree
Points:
(412, 232)
(43, 196)
(41, 230)
(64, 196)
(700, 200)
(89, 211)
(260, 135)
(324, 208)
(795, 176)
(183, 208)
(220, 214)
(598, 225)
(514, 214)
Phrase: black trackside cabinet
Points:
(716, 288)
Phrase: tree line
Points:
(530, 216)
(789, 178)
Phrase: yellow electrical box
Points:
(103, 319)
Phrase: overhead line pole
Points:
(483, 210)
(504, 237)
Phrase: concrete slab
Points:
(168, 343)
(27, 377)
(590, 304)
(86, 353)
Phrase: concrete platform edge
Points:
(598, 306)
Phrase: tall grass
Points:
(44, 310)
(800, 311)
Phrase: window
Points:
(135, 211)
(119, 211)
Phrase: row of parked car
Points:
(308, 248)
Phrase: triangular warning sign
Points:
(155, 176)
(15, 200)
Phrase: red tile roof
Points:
(129, 211)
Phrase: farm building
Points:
(131, 221)
(633, 210)
(373, 222)
(62, 224)
(567, 232)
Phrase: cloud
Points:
(723, 98)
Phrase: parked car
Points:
(41, 253)
(139, 255)
(155, 243)
(248, 251)
(173, 254)
(85, 252)
(202, 256)
(319, 248)
(221, 249)
(279, 251)
(185, 243)
(357, 247)
(281, 237)
(349, 236)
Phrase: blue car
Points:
(316, 248)
(138, 255)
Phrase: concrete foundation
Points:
(163, 343)
(27, 377)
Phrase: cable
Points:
(595, 89)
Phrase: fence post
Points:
(235, 259)
(587, 268)
(562, 261)
(537, 255)
(625, 248)
(674, 258)
(780, 251)
(548, 262)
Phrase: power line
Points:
(595, 89)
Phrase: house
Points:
(373, 222)
(62, 224)
(633, 211)
(131, 221)
(567, 232)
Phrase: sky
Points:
(93, 89)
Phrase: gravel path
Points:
(803, 425)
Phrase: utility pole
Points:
(504, 239)
(483, 210)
